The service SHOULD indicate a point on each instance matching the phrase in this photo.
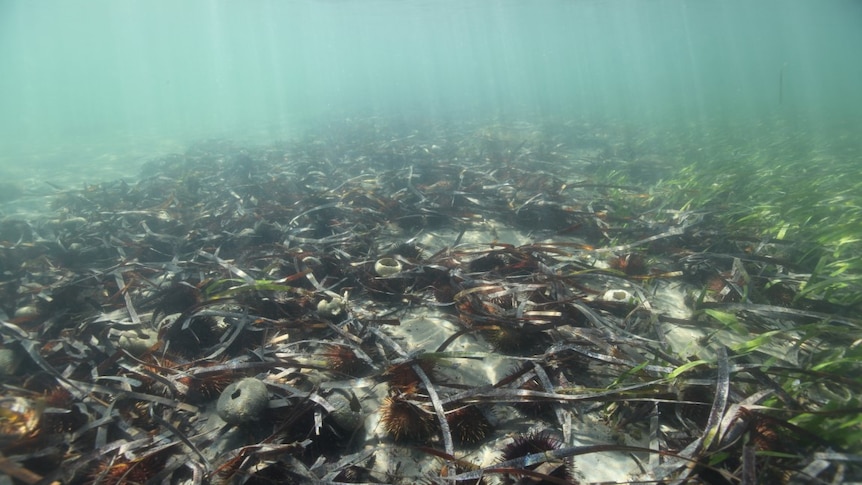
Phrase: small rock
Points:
(243, 401)
(27, 311)
(344, 415)
(136, 342)
(74, 222)
(10, 361)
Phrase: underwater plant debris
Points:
(459, 304)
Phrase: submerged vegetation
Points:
(376, 303)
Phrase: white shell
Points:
(333, 307)
(136, 342)
(387, 266)
(620, 296)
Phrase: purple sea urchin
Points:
(536, 443)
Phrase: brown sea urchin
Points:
(405, 419)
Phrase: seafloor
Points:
(377, 303)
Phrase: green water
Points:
(101, 83)
(708, 141)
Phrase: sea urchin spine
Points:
(538, 443)
(405, 419)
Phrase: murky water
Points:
(480, 229)
(96, 84)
